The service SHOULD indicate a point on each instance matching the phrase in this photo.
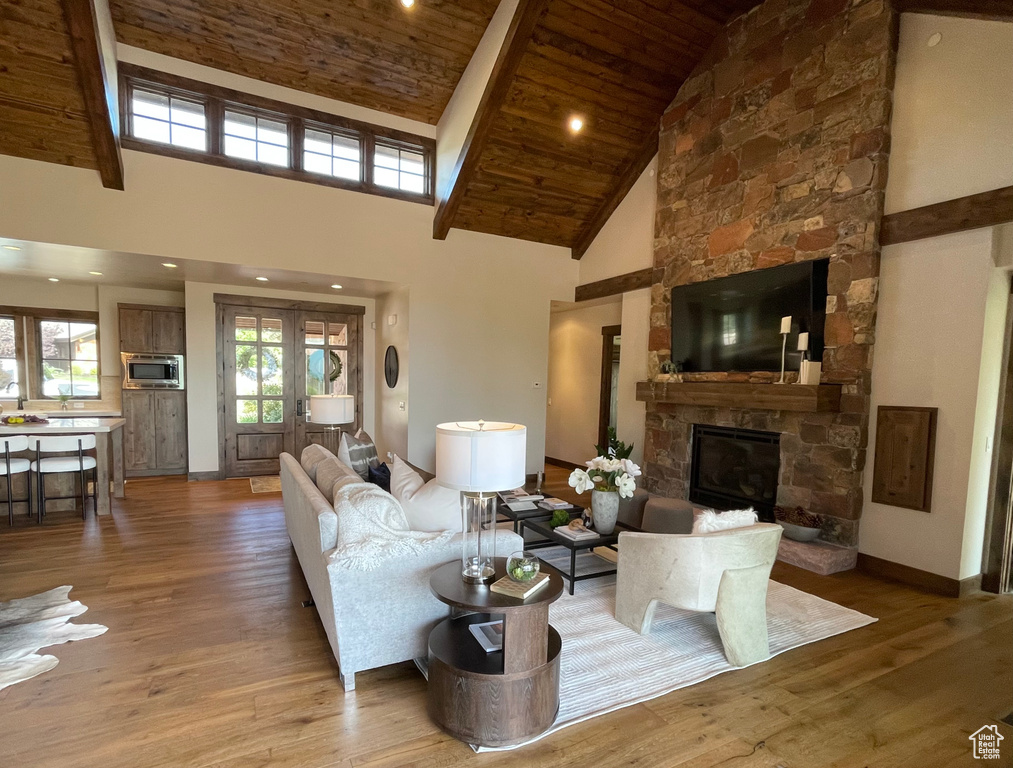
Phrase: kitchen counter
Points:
(108, 449)
(70, 413)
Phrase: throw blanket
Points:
(373, 528)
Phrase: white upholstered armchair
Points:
(724, 572)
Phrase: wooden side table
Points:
(502, 698)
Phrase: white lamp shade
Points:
(332, 409)
(481, 456)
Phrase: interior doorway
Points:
(273, 355)
(608, 406)
(997, 559)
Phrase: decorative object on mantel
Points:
(609, 475)
(905, 454)
(35, 622)
(785, 330)
(480, 458)
(670, 372)
(798, 524)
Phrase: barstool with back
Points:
(14, 466)
(63, 465)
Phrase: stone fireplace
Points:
(775, 150)
(733, 468)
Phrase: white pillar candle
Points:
(786, 324)
(803, 341)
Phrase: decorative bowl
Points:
(522, 566)
(799, 532)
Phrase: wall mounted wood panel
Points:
(374, 54)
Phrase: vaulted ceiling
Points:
(373, 53)
(616, 64)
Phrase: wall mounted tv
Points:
(733, 323)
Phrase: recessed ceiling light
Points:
(262, 279)
(97, 274)
(336, 287)
(934, 39)
(54, 279)
(13, 247)
(407, 3)
(168, 265)
(576, 124)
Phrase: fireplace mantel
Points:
(807, 398)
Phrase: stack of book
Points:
(577, 534)
(554, 504)
(519, 589)
(519, 500)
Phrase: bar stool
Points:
(63, 465)
(10, 467)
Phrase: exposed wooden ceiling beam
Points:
(994, 10)
(94, 46)
(623, 185)
(612, 286)
(517, 37)
(986, 209)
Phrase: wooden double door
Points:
(272, 360)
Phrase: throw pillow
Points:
(328, 472)
(429, 506)
(710, 521)
(380, 476)
(311, 456)
(358, 452)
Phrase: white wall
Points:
(109, 296)
(202, 363)
(942, 305)
(392, 405)
(574, 388)
(479, 304)
(952, 124)
(456, 120)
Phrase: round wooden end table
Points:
(502, 698)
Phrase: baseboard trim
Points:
(562, 463)
(930, 582)
(201, 476)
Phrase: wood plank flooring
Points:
(210, 661)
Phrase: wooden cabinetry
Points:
(145, 329)
(155, 437)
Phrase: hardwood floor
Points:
(210, 661)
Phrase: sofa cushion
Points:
(631, 510)
(664, 515)
(311, 456)
(358, 452)
(710, 521)
(429, 506)
(329, 471)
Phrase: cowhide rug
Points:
(31, 623)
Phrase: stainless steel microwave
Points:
(145, 371)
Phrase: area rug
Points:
(31, 623)
(266, 484)
(605, 666)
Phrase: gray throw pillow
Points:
(358, 452)
(311, 456)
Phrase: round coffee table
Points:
(501, 698)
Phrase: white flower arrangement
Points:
(610, 471)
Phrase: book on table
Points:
(489, 635)
(553, 504)
(519, 589)
(520, 506)
(519, 494)
(577, 534)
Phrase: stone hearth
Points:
(774, 151)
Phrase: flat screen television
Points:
(734, 323)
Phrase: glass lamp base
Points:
(478, 555)
(478, 573)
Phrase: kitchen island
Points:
(108, 450)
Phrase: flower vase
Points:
(604, 510)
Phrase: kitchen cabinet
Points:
(156, 330)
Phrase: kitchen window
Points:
(49, 354)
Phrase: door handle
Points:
(298, 407)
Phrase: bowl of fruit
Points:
(522, 567)
(23, 420)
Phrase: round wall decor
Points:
(390, 367)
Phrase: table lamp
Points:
(479, 458)
(332, 410)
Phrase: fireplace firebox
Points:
(735, 468)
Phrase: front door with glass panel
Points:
(258, 387)
(329, 365)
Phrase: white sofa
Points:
(372, 618)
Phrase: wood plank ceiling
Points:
(44, 116)
(615, 63)
(373, 53)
